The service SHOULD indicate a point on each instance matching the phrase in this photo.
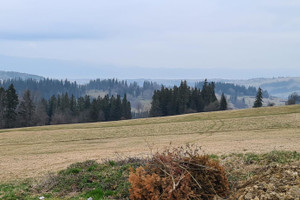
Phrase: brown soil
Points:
(271, 183)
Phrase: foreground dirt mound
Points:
(272, 183)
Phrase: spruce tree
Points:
(94, 111)
(106, 107)
(115, 108)
(11, 103)
(208, 93)
(184, 94)
(196, 101)
(52, 106)
(26, 110)
(223, 102)
(87, 102)
(155, 105)
(126, 108)
(166, 96)
(118, 111)
(73, 106)
(40, 115)
(65, 106)
(259, 99)
(2, 107)
(80, 104)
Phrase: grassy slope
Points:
(109, 180)
(30, 152)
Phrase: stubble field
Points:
(32, 152)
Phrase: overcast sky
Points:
(233, 35)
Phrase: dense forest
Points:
(45, 88)
(233, 90)
(139, 95)
(58, 109)
(184, 99)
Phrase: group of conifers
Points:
(29, 110)
(59, 109)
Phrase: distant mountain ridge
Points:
(5, 75)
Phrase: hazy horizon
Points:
(132, 39)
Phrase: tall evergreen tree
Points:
(58, 105)
(116, 108)
(40, 116)
(95, 110)
(184, 94)
(259, 99)
(26, 110)
(73, 106)
(155, 109)
(126, 108)
(223, 102)
(87, 101)
(80, 104)
(106, 107)
(196, 101)
(11, 103)
(165, 99)
(2, 107)
(52, 106)
(208, 93)
(65, 103)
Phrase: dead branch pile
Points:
(181, 173)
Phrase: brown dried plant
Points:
(179, 173)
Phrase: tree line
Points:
(184, 99)
(45, 88)
(233, 89)
(58, 109)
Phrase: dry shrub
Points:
(180, 173)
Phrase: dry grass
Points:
(31, 152)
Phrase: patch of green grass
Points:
(242, 166)
(91, 179)
(95, 194)
(112, 163)
(280, 157)
(16, 191)
(214, 156)
(79, 181)
(251, 158)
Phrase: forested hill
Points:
(48, 87)
(45, 88)
(5, 75)
(139, 94)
